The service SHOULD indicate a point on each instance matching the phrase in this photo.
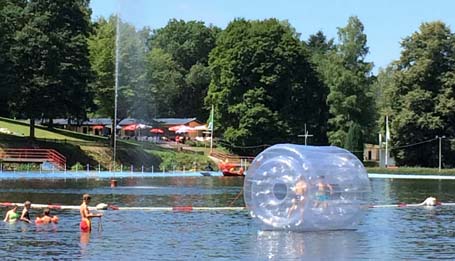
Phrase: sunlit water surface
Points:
(384, 233)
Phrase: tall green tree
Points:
(348, 77)
(10, 21)
(263, 86)
(188, 44)
(382, 88)
(165, 78)
(424, 96)
(102, 60)
(319, 45)
(52, 59)
(354, 140)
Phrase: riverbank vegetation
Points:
(267, 85)
(412, 170)
(93, 152)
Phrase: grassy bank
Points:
(409, 170)
(81, 149)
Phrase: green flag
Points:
(210, 121)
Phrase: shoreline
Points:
(113, 175)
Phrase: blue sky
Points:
(386, 22)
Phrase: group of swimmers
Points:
(46, 218)
(13, 216)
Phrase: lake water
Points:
(384, 233)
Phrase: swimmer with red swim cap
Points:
(86, 216)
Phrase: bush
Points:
(182, 161)
(78, 166)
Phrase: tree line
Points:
(267, 84)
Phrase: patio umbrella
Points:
(174, 128)
(131, 127)
(201, 128)
(184, 129)
(157, 131)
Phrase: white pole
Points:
(380, 149)
(386, 140)
(439, 154)
(211, 131)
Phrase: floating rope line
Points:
(403, 205)
(103, 206)
(237, 197)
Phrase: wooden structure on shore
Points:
(33, 156)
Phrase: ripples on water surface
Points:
(384, 234)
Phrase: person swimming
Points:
(86, 216)
(46, 218)
(430, 202)
(11, 215)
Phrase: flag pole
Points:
(387, 137)
(211, 129)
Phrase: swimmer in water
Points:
(430, 202)
(299, 190)
(323, 192)
(11, 215)
(86, 216)
(25, 216)
(46, 218)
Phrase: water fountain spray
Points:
(114, 131)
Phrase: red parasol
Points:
(157, 131)
(131, 127)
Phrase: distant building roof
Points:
(95, 121)
(98, 121)
(123, 122)
(175, 121)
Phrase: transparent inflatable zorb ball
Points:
(306, 188)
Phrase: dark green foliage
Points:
(423, 95)
(52, 60)
(354, 140)
(383, 87)
(263, 86)
(10, 21)
(188, 43)
(178, 70)
(102, 59)
(347, 75)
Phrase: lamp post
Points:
(440, 138)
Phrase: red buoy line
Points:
(103, 206)
(403, 205)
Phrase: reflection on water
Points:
(383, 234)
(331, 245)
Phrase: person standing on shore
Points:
(86, 216)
